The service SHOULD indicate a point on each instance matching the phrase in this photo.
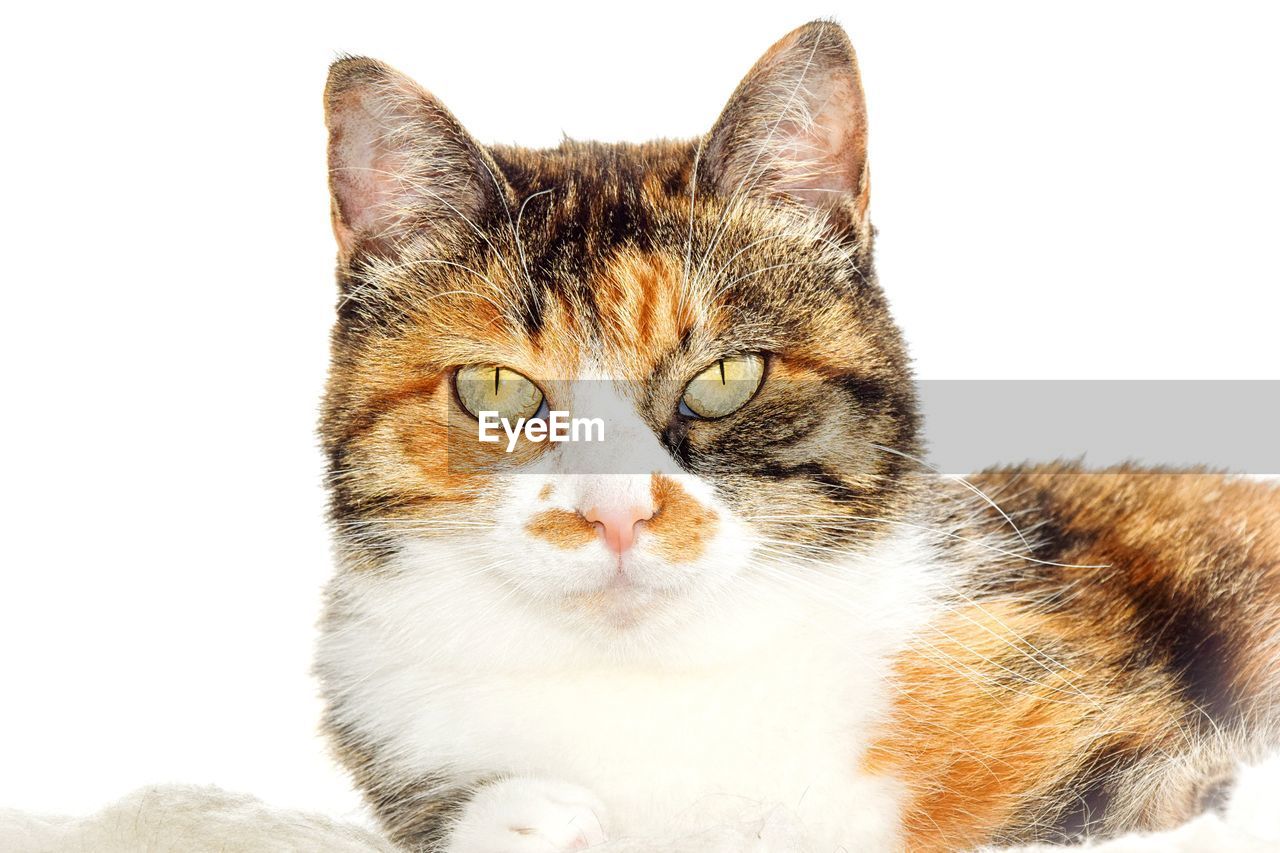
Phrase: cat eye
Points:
(493, 388)
(724, 387)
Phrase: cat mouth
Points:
(622, 599)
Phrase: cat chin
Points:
(624, 612)
(621, 603)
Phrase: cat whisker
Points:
(434, 262)
(753, 274)
(525, 295)
(959, 479)
(520, 219)
(417, 186)
(839, 248)
(939, 532)
(688, 246)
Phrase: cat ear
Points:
(796, 129)
(399, 163)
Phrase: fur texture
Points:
(180, 819)
(811, 619)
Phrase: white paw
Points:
(529, 816)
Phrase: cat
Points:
(773, 601)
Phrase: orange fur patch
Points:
(681, 527)
(641, 300)
(1018, 708)
(562, 528)
(982, 730)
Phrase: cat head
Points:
(713, 300)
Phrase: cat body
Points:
(755, 595)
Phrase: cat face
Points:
(713, 302)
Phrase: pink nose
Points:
(618, 525)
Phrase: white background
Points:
(1083, 191)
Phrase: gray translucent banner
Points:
(1232, 425)
(967, 425)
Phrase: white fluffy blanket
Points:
(181, 819)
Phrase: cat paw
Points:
(529, 816)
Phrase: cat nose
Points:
(618, 525)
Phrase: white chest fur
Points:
(653, 745)
(780, 716)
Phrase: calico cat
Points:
(788, 608)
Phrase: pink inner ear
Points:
(400, 164)
(362, 173)
(797, 126)
(827, 156)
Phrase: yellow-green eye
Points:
(724, 387)
(490, 388)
